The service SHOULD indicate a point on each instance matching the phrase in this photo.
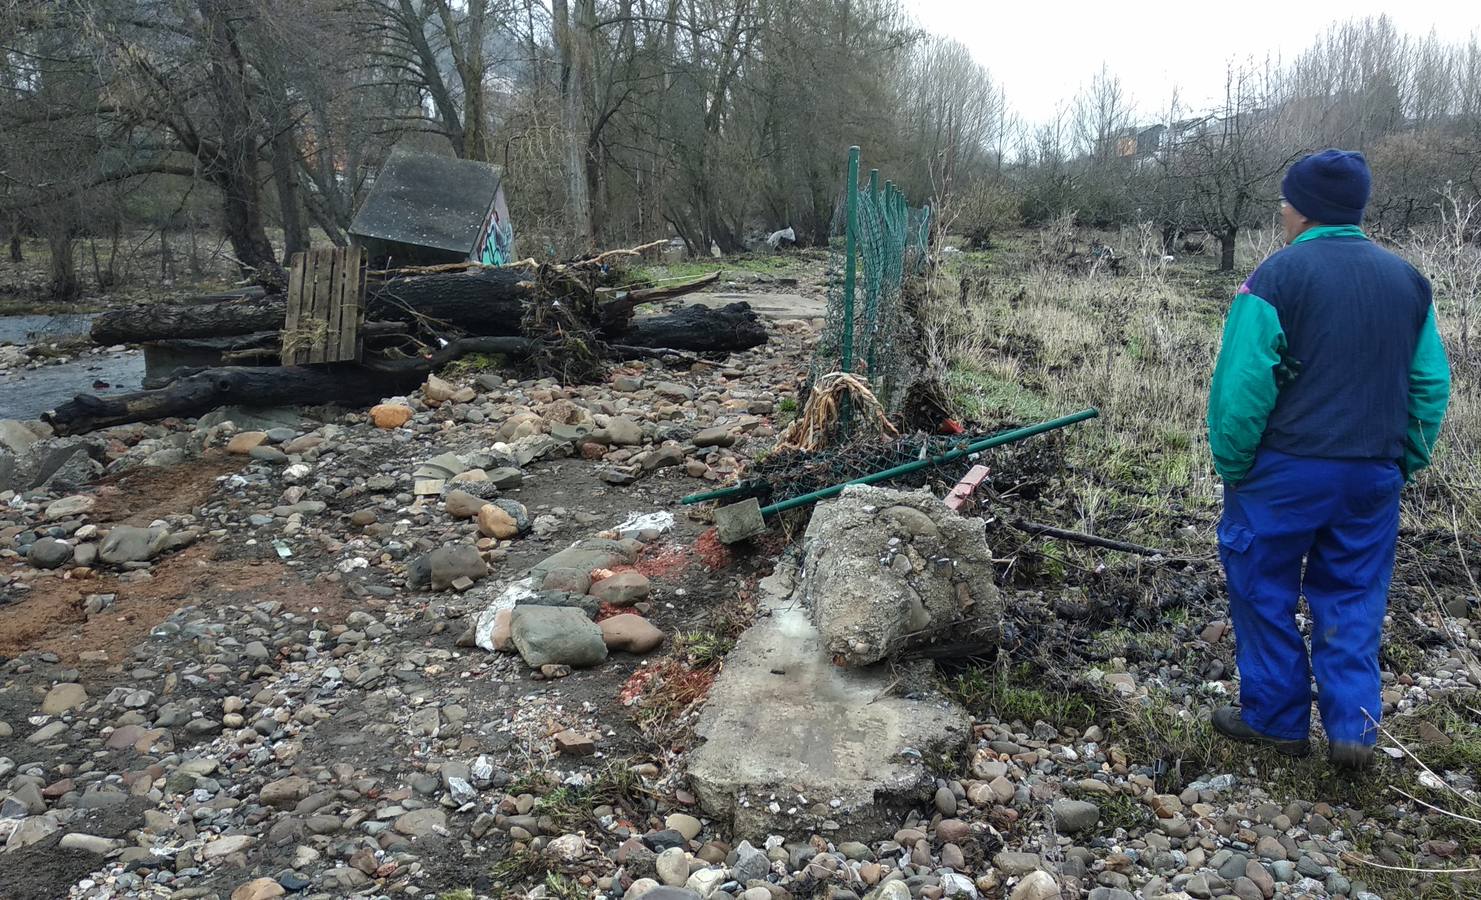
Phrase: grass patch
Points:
(985, 396)
(1123, 811)
(474, 363)
(1008, 693)
(613, 785)
(703, 648)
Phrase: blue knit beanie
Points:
(1330, 187)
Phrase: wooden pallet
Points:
(326, 307)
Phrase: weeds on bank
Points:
(474, 363)
(614, 784)
(1002, 691)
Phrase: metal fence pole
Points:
(850, 263)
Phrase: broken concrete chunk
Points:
(437, 391)
(572, 743)
(887, 570)
(443, 466)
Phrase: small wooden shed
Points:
(427, 210)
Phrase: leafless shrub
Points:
(1450, 255)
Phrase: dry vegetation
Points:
(1020, 338)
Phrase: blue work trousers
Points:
(1325, 529)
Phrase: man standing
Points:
(1328, 395)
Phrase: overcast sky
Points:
(1043, 51)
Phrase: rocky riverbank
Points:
(246, 657)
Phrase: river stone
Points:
(1038, 885)
(586, 556)
(67, 507)
(390, 415)
(1012, 862)
(623, 589)
(556, 635)
(1074, 816)
(495, 522)
(49, 553)
(63, 698)
(125, 544)
(673, 867)
(714, 437)
(421, 822)
(630, 632)
(463, 505)
(226, 846)
(620, 431)
(88, 843)
(455, 561)
(572, 581)
(258, 889)
(243, 442)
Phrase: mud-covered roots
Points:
(840, 405)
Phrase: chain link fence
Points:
(878, 242)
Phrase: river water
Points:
(27, 393)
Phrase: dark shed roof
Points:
(429, 201)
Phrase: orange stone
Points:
(390, 415)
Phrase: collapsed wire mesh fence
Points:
(877, 242)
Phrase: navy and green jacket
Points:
(1330, 350)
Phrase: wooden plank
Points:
(349, 304)
(337, 307)
(295, 306)
(361, 287)
(330, 350)
(323, 279)
(306, 317)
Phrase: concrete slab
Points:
(794, 745)
(739, 521)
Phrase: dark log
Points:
(488, 302)
(199, 391)
(169, 321)
(699, 328)
(618, 311)
(195, 392)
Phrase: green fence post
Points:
(872, 272)
(850, 263)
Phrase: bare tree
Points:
(1229, 159)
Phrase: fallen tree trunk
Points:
(171, 321)
(197, 392)
(700, 328)
(485, 302)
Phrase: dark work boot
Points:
(1350, 756)
(1228, 722)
